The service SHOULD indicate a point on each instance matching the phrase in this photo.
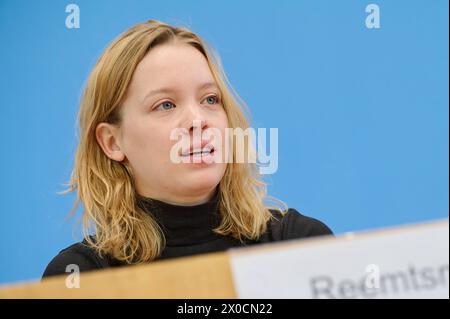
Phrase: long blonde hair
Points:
(105, 187)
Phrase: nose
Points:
(195, 119)
(197, 124)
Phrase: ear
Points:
(107, 136)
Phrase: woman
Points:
(140, 204)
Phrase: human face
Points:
(143, 137)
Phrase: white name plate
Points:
(404, 262)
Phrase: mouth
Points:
(207, 150)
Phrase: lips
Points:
(204, 148)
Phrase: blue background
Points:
(362, 113)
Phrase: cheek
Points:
(222, 121)
(222, 124)
(146, 143)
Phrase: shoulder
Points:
(79, 254)
(293, 225)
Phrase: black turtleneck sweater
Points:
(188, 231)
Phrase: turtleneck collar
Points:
(184, 225)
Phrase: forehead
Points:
(172, 64)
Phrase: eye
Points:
(166, 105)
(212, 99)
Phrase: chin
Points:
(203, 178)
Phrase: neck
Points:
(184, 225)
(183, 200)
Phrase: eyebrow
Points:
(170, 90)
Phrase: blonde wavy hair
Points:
(123, 229)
